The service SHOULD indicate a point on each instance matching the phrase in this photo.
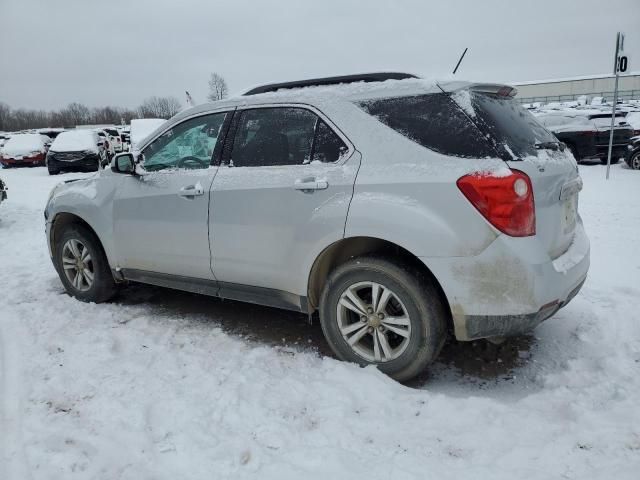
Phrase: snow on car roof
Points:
(24, 143)
(75, 141)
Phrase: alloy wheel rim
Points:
(373, 321)
(78, 265)
(635, 162)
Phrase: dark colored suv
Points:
(587, 133)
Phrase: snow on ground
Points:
(168, 385)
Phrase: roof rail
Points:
(314, 82)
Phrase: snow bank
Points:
(76, 141)
(24, 144)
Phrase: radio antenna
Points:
(460, 61)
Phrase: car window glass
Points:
(328, 146)
(273, 136)
(189, 144)
(433, 121)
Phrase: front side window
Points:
(189, 144)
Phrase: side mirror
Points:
(123, 163)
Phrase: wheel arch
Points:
(346, 248)
(64, 219)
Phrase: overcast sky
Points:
(118, 52)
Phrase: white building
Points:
(565, 89)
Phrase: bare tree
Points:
(5, 116)
(217, 87)
(159, 107)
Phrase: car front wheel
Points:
(82, 265)
(374, 312)
(634, 161)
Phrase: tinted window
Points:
(328, 146)
(189, 144)
(507, 123)
(273, 136)
(434, 121)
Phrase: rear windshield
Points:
(434, 121)
(509, 125)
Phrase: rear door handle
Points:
(191, 191)
(308, 184)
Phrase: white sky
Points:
(118, 52)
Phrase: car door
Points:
(161, 216)
(281, 193)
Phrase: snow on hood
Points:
(143, 127)
(24, 144)
(76, 141)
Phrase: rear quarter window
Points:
(434, 121)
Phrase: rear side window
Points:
(434, 121)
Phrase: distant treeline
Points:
(79, 114)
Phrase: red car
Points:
(25, 149)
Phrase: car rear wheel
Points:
(374, 312)
(82, 265)
(634, 161)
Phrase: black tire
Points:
(53, 171)
(103, 287)
(421, 299)
(634, 161)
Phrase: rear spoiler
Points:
(498, 89)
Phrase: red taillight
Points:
(505, 201)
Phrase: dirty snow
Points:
(168, 385)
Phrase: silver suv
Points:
(399, 209)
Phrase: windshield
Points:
(515, 130)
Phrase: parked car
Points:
(400, 210)
(586, 133)
(24, 149)
(115, 142)
(126, 140)
(3, 191)
(76, 150)
(633, 155)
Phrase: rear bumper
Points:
(512, 286)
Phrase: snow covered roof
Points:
(24, 143)
(75, 141)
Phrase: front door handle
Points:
(309, 184)
(191, 191)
